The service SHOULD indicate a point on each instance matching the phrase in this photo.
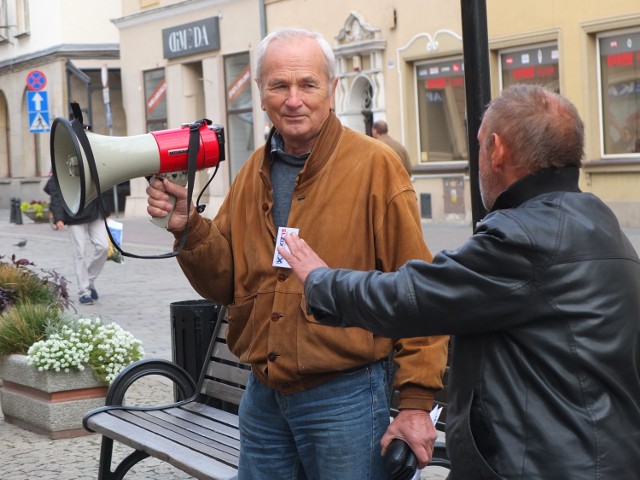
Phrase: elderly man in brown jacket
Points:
(315, 405)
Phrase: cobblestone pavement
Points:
(136, 294)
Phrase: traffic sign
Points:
(36, 80)
(39, 122)
(38, 106)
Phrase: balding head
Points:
(541, 128)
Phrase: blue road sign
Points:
(38, 106)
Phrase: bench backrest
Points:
(224, 378)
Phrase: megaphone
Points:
(118, 159)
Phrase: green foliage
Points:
(19, 283)
(24, 324)
(37, 206)
(30, 302)
(32, 323)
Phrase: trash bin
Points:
(192, 325)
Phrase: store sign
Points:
(189, 38)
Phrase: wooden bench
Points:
(198, 435)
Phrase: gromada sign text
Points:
(191, 38)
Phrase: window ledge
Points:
(612, 165)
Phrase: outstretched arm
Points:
(300, 256)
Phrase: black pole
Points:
(475, 44)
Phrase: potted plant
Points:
(45, 352)
(36, 210)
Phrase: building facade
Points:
(400, 61)
(52, 52)
(403, 62)
(595, 50)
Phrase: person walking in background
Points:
(542, 301)
(380, 131)
(316, 404)
(87, 226)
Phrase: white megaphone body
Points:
(118, 159)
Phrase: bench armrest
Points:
(137, 370)
(143, 368)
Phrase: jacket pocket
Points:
(465, 456)
(239, 337)
(323, 348)
(306, 312)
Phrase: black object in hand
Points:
(400, 460)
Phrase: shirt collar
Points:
(543, 181)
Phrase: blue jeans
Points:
(330, 432)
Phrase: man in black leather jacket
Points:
(543, 300)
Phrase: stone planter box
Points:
(32, 215)
(49, 403)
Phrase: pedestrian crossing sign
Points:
(39, 122)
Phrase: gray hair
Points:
(292, 33)
(542, 128)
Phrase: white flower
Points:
(107, 349)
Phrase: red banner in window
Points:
(156, 96)
(239, 84)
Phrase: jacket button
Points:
(272, 357)
(265, 207)
(275, 316)
(282, 276)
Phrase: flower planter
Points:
(32, 214)
(49, 403)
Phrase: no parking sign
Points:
(36, 80)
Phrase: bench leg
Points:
(106, 455)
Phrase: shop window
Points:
(619, 57)
(441, 110)
(239, 132)
(536, 65)
(155, 94)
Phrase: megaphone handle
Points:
(179, 178)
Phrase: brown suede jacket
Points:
(354, 204)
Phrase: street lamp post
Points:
(475, 46)
(107, 108)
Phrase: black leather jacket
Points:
(544, 303)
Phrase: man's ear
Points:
(332, 105)
(261, 96)
(499, 153)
